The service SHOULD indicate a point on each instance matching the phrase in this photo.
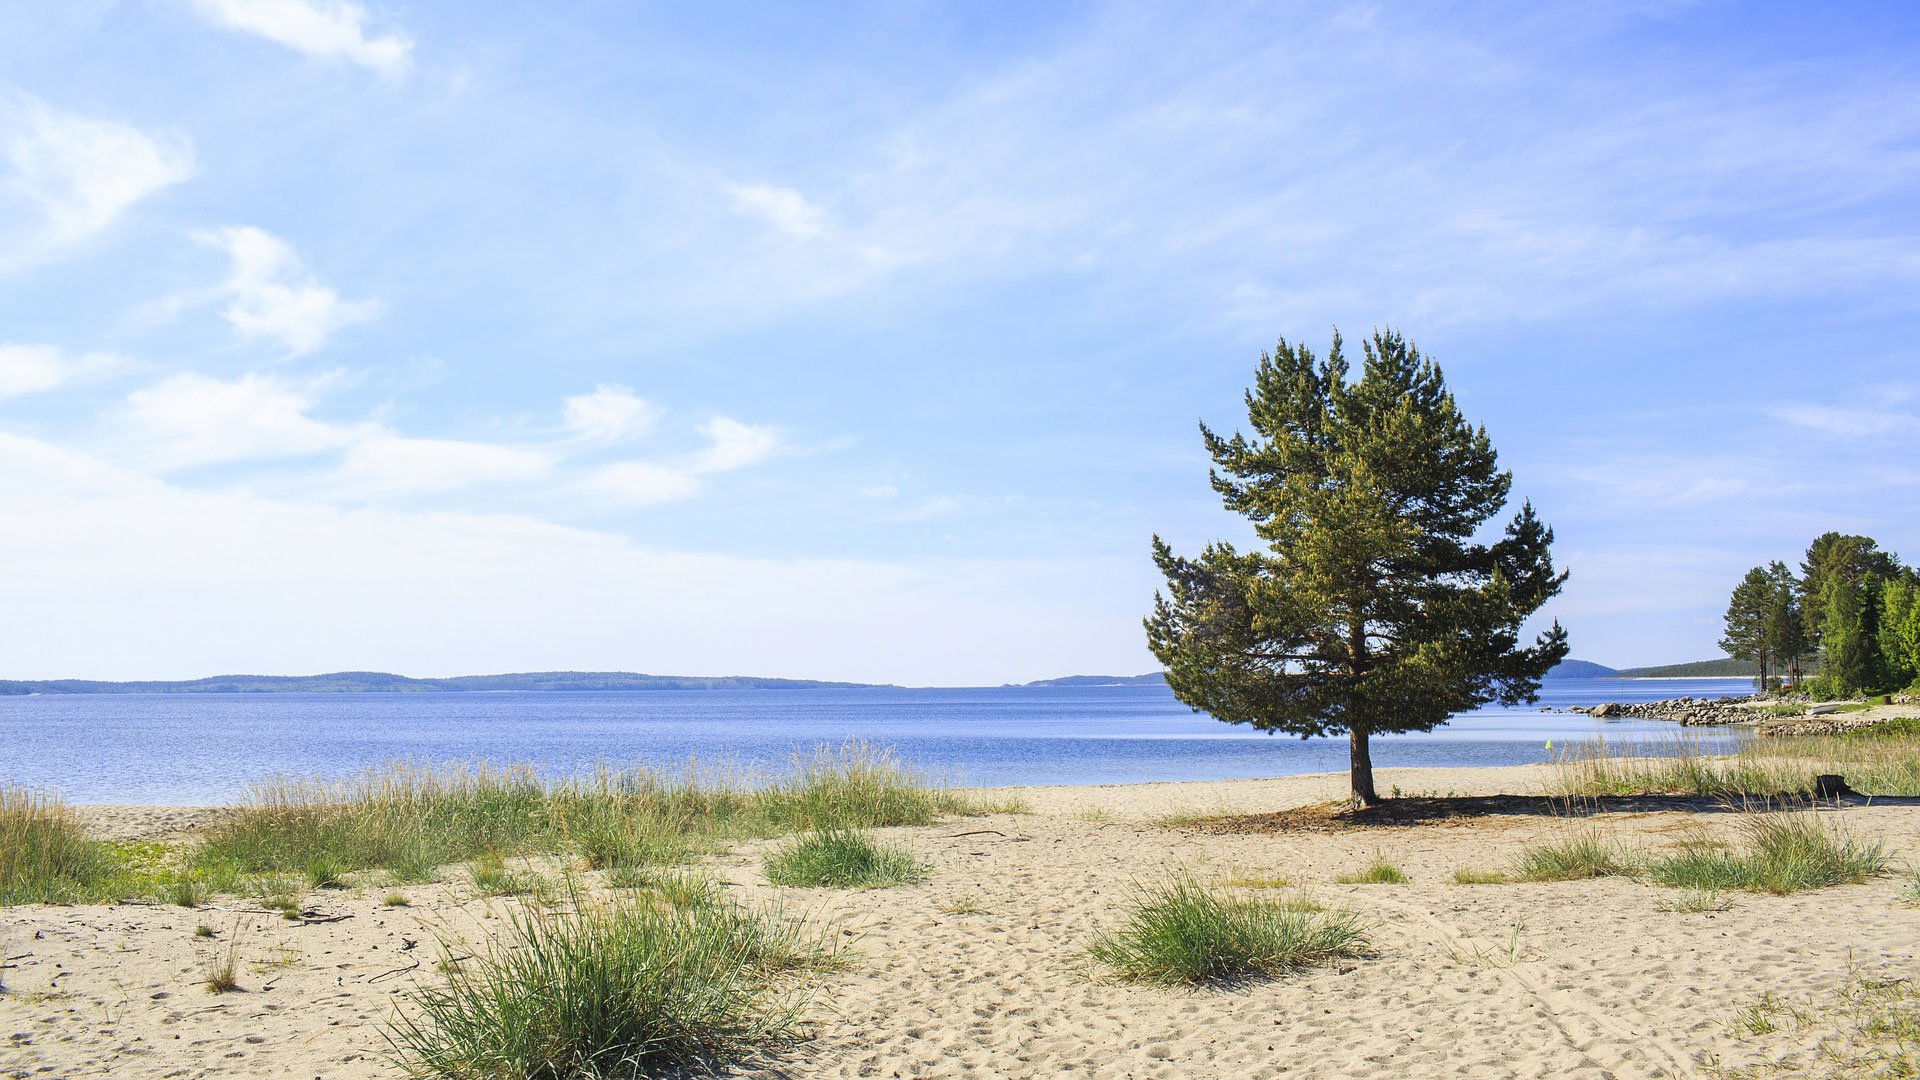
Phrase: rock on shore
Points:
(1689, 711)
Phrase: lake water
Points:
(206, 748)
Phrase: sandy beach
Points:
(980, 970)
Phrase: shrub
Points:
(1579, 856)
(1784, 852)
(629, 986)
(842, 859)
(1470, 876)
(1181, 933)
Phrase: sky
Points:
(869, 341)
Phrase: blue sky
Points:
(869, 342)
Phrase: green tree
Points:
(1786, 628)
(1749, 615)
(1848, 651)
(1899, 631)
(1838, 556)
(1369, 607)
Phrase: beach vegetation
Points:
(1881, 759)
(842, 859)
(411, 821)
(1869, 1028)
(1696, 902)
(1181, 933)
(396, 899)
(1782, 852)
(46, 855)
(1467, 875)
(625, 985)
(1378, 872)
(1578, 856)
(1370, 605)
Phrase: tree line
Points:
(1852, 613)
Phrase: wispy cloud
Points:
(1844, 423)
(66, 178)
(785, 209)
(270, 294)
(32, 369)
(387, 465)
(324, 29)
(611, 413)
(190, 419)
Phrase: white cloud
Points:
(642, 483)
(189, 419)
(65, 178)
(1848, 423)
(135, 577)
(396, 465)
(734, 445)
(31, 369)
(611, 413)
(326, 29)
(788, 211)
(731, 445)
(271, 294)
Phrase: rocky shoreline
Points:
(1687, 711)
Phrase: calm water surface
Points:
(206, 748)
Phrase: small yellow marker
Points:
(1549, 744)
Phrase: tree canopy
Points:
(1370, 605)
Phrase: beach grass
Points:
(1378, 872)
(1468, 875)
(1181, 933)
(1869, 1028)
(1579, 856)
(632, 985)
(842, 859)
(1883, 759)
(1784, 852)
(46, 855)
(411, 820)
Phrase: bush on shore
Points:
(633, 985)
(1179, 932)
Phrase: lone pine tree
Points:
(1370, 607)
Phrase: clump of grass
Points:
(1468, 875)
(203, 931)
(492, 877)
(626, 986)
(962, 907)
(46, 855)
(1696, 902)
(185, 891)
(1379, 872)
(324, 871)
(1784, 852)
(1580, 856)
(396, 899)
(1181, 933)
(1909, 893)
(282, 892)
(1257, 881)
(223, 974)
(842, 859)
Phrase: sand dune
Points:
(1583, 979)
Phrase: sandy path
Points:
(1586, 979)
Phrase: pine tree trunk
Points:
(1360, 757)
